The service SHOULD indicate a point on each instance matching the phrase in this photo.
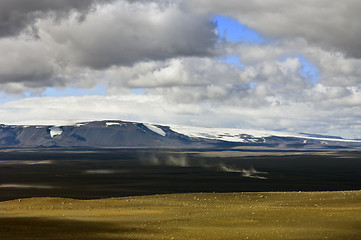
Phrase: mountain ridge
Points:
(118, 134)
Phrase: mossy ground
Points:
(279, 215)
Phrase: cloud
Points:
(25, 61)
(17, 15)
(334, 67)
(63, 110)
(122, 33)
(333, 25)
(143, 31)
(154, 34)
(186, 71)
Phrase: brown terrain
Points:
(273, 215)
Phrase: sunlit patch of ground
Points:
(292, 215)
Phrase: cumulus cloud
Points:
(335, 68)
(333, 25)
(143, 31)
(23, 60)
(176, 72)
(17, 15)
(122, 33)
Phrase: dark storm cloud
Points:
(16, 15)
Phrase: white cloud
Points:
(143, 31)
(175, 72)
(64, 50)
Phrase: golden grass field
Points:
(291, 215)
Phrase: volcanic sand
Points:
(281, 215)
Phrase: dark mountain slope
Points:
(118, 134)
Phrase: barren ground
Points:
(281, 215)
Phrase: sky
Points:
(281, 65)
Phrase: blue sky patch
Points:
(98, 90)
(4, 98)
(309, 70)
(253, 85)
(231, 30)
(138, 91)
(235, 60)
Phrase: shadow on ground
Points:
(61, 229)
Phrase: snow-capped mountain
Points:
(117, 134)
(252, 136)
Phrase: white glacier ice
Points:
(112, 123)
(155, 129)
(235, 134)
(55, 131)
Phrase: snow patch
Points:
(234, 134)
(112, 123)
(223, 134)
(155, 129)
(55, 131)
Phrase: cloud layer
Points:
(160, 61)
(334, 25)
(144, 31)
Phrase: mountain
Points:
(115, 134)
